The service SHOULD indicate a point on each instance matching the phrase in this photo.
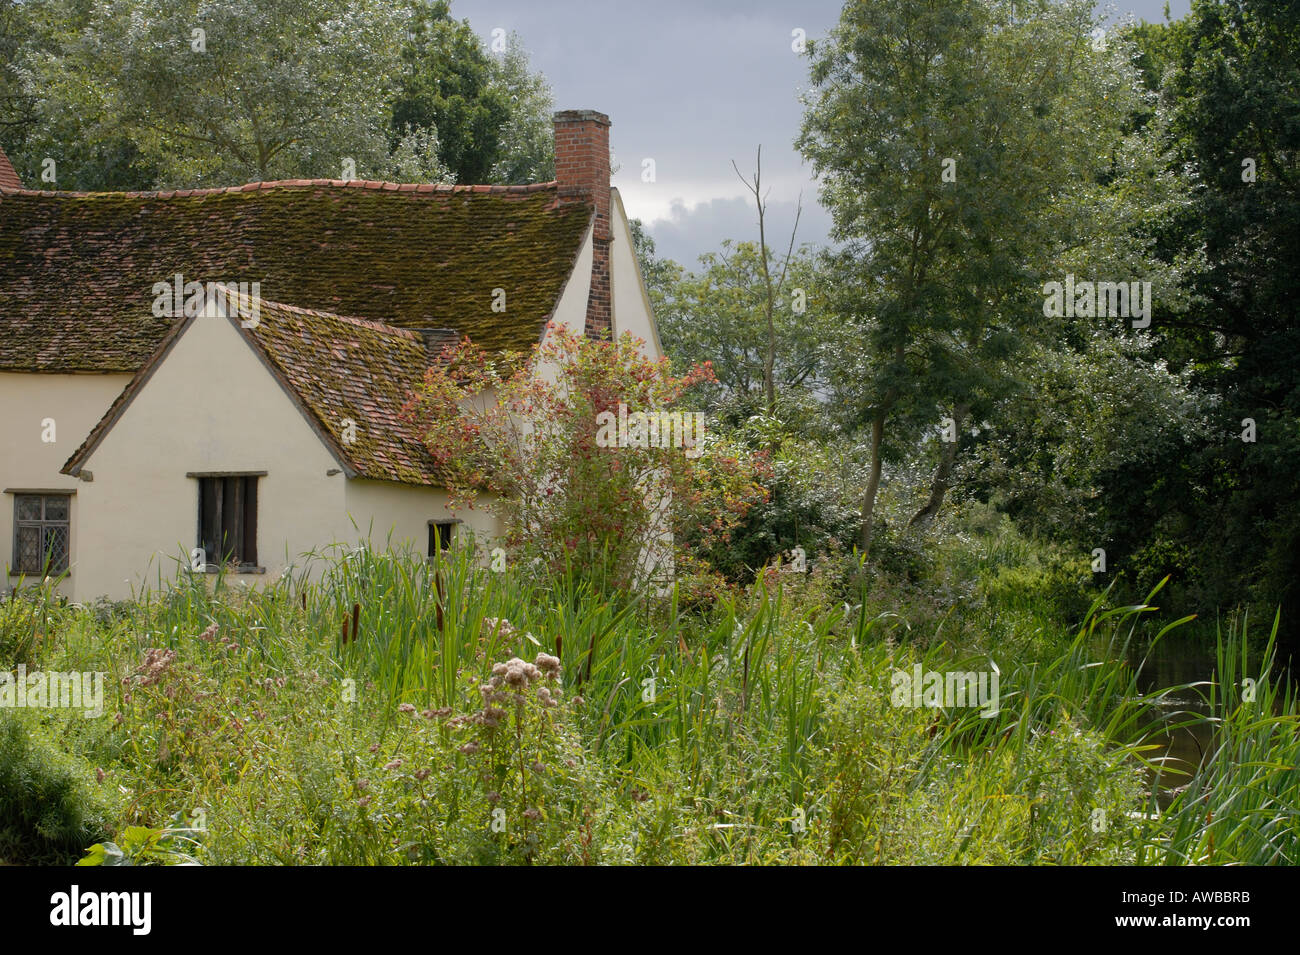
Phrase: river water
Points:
(1175, 662)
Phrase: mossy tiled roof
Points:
(77, 269)
(347, 369)
(8, 176)
(348, 376)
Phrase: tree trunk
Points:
(873, 483)
(943, 473)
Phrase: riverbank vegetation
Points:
(507, 722)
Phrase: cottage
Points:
(262, 423)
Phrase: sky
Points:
(694, 85)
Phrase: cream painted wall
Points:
(381, 507)
(571, 310)
(76, 403)
(632, 312)
(211, 405)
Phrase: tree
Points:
(144, 94)
(948, 137)
(526, 140)
(217, 94)
(490, 114)
(771, 289)
(17, 108)
(1226, 503)
(720, 315)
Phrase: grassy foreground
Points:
(349, 714)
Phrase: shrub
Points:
(582, 482)
(49, 812)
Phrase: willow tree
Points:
(956, 142)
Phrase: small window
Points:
(228, 519)
(440, 536)
(41, 533)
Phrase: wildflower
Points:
(441, 711)
(537, 768)
(363, 783)
(422, 774)
(532, 814)
(393, 764)
(155, 665)
(548, 664)
(470, 748)
(519, 673)
(374, 747)
(499, 626)
(208, 635)
(492, 716)
(363, 802)
(99, 775)
(544, 695)
(494, 796)
(405, 708)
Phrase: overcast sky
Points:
(692, 84)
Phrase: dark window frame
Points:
(441, 533)
(227, 519)
(44, 524)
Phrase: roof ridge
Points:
(369, 323)
(423, 188)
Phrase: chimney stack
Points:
(582, 173)
(8, 175)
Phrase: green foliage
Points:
(759, 731)
(125, 95)
(807, 506)
(717, 315)
(1220, 510)
(489, 114)
(581, 468)
(49, 811)
(139, 845)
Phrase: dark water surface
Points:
(1174, 662)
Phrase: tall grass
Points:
(760, 731)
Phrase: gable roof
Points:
(77, 269)
(334, 368)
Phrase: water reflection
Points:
(1174, 662)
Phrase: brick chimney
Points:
(8, 175)
(582, 172)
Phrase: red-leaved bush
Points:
(536, 440)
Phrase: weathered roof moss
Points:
(77, 270)
(350, 370)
